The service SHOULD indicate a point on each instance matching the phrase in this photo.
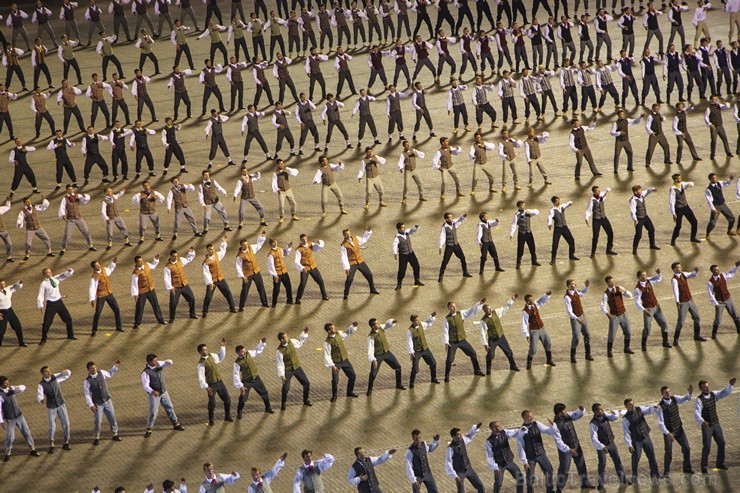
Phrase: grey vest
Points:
(451, 235)
(156, 378)
(559, 218)
(523, 223)
(312, 482)
(52, 393)
(641, 211)
(98, 389)
(404, 243)
(10, 406)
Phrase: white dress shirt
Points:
(86, 383)
(207, 278)
(217, 358)
(168, 272)
(539, 303)
(18, 389)
(145, 376)
(6, 295)
(360, 241)
(135, 277)
(465, 314)
(699, 406)
(93, 291)
(443, 230)
(674, 283)
(343, 334)
(238, 370)
(322, 465)
(60, 377)
(638, 294)
(297, 343)
(448, 453)
(47, 292)
(371, 341)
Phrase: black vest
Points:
(365, 466)
(567, 430)
(639, 429)
(708, 411)
(98, 389)
(156, 378)
(671, 418)
(715, 189)
(502, 453)
(419, 460)
(533, 446)
(603, 429)
(460, 459)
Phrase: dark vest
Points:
(533, 446)
(419, 460)
(502, 453)
(98, 389)
(52, 393)
(709, 409)
(156, 378)
(639, 429)
(671, 417)
(460, 459)
(603, 429)
(10, 407)
(365, 467)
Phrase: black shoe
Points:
(66, 447)
(116, 438)
(700, 339)
(229, 419)
(147, 433)
(536, 264)
(51, 450)
(269, 411)
(35, 453)
(352, 395)
(96, 442)
(374, 291)
(238, 415)
(479, 374)
(723, 467)
(333, 398)
(467, 274)
(308, 403)
(211, 422)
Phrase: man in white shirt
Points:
(648, 304)
(70, 212)
(98, 399)
(152, 379)
(246, 377)
(457, 463)
(208, 191)
(7, 314)
(612, 305)
(176, 282)
(214, 481)
(454, 336)
(261, 481)
(309, 473)
(352, 260)
(289, 366)
(449, 244)
(50, 303)
(671, 426)
(362, 473)
(213, 276)
(521, 224)
(719, 295)
(705, 414)
(101, 292)
(336, 358)
(640, 217)
(209, 379)
(142, 289)
(684, 301)
(12, 416)
(147, 200)
(49, 393)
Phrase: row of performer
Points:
(500, 446)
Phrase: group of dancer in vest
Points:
(499, 449)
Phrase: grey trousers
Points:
(647, 321)
(143, 18)
(680, 139)
(154, 218)
(41, 233)
(282, 196)
(333, 188)
(71, 29)
(110, 414)
(10, 425)
(720, 308)
(95, 27)
(46, 27)
(61, 413)
(534, 337)
(512, 166)
(154, 403)
(371, 183)
(577, 328)
(187, 213)
(540, 168)
(81, 226)
(219, 208)
(453, 174)
(618, 321)
(8, 244)
(415, 176)
(620, 145)
(485, 171)
(683, 308)
(118, 222)
(663, 142)
(254, 202)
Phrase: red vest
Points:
(648, 295)
(535, 322)
(575, 302)
(616, 302)
(684, 293)
(721, 293)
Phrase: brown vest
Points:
(684, 293)
(177, 274)
(307, 259)
(534, 148)
(615, 301)
(69, 97)
(73, 208)
(535, 322)
(327, 176)
(249, 261)
(409, 162)
(214, 266)
(179, 198)
(32, 219)
(353, 251)
(4, 102)
(210, 194)
(575, 302)
(445, 158)
(649, 299)
(117, 88)
(104, 286)
(481, 156)
(146, 281)
(283, 181)
(371, 168)
(96, 90)
(247, 188)
(509, 150)
(110, 209)
(277, 257)
(721, 293)
(40, 102)
(147, 203)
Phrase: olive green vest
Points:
(212, 373)
(381, 343)
(338, 351)
(418, 338)
(456, 327)
(493, 325)
(290, 357)
(248, 368)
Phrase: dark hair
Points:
(558, 408)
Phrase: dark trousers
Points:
(219, 47)
(116, 156)
(428, 358)
(72, 63)
(14, 69)
(424, 114)
(308, 127)
(370, 123)
(345, 76)
(257, 278)
(103, 108)
(340, 127)
(54, 308)
(259, 387)
(145, 100)
(428, 481)
(315, 274)
(37, 70)
(548, 95)
(207, 92)
(647, 223)
(488, 248)
(120, 103)
(212, 10)
(9, 317)
(723, 209)
(65, 165)
(522, 240)
(150, 296)
(609, 89)
(707, 434)
(498, 479)
(225, 291)
(278, 41)
(19, 172)
(186, 50)
(613, 452)
(467, 349)
(596, 226)
(569, 93)
(100, 302)
(68, 112)
(564, 232)
(283, 279)
(237, 95)
(92, 160)
(258, 94)
(639, 447)
(686, 212)
(173, 150)
(546, 468)
(186, 293)
(391, 361)
(565, 459)
(482, 8)
(182, 97)
(241, 44)
(141, 154)
(288, 82)
(112, 59)
(403, 262)
(683, 441)
(503, 343)
(151, 56)
(300, 375)
(258, 42)
(377, 73)
(5, 119)
(366, 273)
(254, 135)
(218, 388)
(448, 252)
(473, 478)
(349, 371)
(401, 68)
(218, 142)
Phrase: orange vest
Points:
(177, 274)
(277, 257)
(307, 259)
(353, 251)
(104, 286)
(146, 281)
(250, 266)
(214, 266)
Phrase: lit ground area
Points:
(384, 420)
